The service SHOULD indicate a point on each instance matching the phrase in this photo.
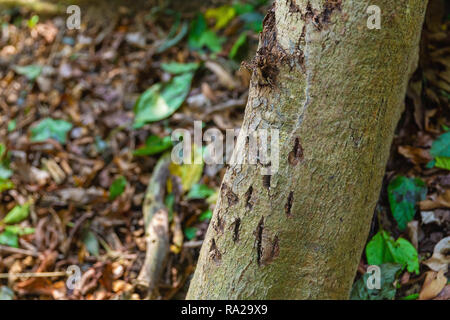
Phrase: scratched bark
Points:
(335, 90)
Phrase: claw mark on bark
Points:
(266, 182)
(296, 155)
(293, 7)
(231, 196)
(248, 198)
(220, 224)
(214, 252)
(266, 249)
(270, 251)
(258, 233)
(321, 19)
(237, 225)
(288, 205)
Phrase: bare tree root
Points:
(156, 221)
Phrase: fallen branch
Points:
(156, 221)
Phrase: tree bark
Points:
(335, 91)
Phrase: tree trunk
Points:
(335, 89)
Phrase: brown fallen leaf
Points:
(440, 259)
(441, 201)
(433, 285)
(413, 233)
(416, 155)
(445, 294)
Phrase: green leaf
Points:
(191, 173)
(190, 232)
(6, 293)
(237, 45)
(413, 296)
(5, 184)
(169, 201)
(49, 128)
(387, 289)
(441, 146)
(403, 194)
(5, 173)
(12, 125)
(210, 40)
(178, 68)
(17, 214)
(161, 101)
(8, 238)
(207, 215)
(200, 191)
(377, 252)
(154, 145)
(383, 249)
(170, 42)
(33, 21)
(2, 151)
(91, 243)
(200, 36)
(405, 254)
(31, 71)
(242, 8)
(253, 21)
(117, 187)
(442, 162)
(16, 229)
(222, 15)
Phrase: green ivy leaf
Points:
(117, 187)
(162, 100)
(377, 252)
(49, 128)
(190, 232)
(31, 71)
(17, 214)
(382, 248)
(403, 194)
(441, 146)
(387, 289)
(200, 191)
(8, 238)
(154, 145)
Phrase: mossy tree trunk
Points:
(335, 89)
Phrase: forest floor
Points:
(81, 133)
